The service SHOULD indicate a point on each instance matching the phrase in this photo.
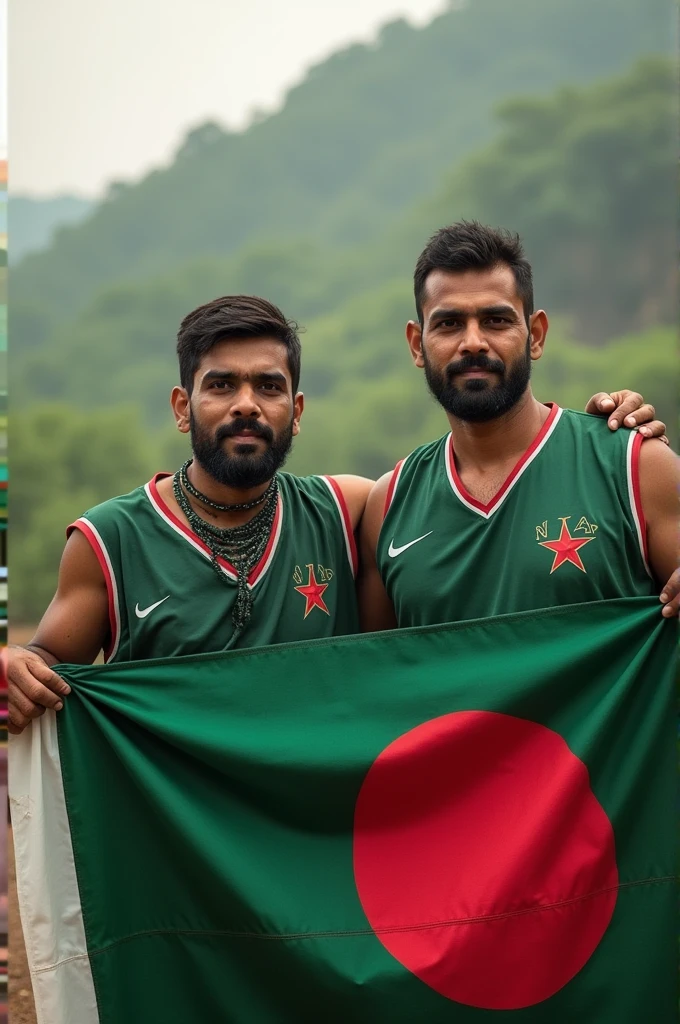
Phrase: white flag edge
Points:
(47, 886)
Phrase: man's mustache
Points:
(480, 362)
(241, 425)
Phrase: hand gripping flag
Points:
(460, 824)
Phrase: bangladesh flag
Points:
(459, 824)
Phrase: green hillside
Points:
(539, 116)
(34, 221)
(366, 134)
(587, 176)
(68, 461)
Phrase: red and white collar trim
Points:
(184, 531)
(635, 442)
(346, 521)
(536, 446)
(93, 535)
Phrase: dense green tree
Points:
(588, 177)
(367, 133)
(67, 461)
(62, 463)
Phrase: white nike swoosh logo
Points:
(142, 613)
(393, 552)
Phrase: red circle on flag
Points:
(482, 859)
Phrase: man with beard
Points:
(522, 505)
(228, 551)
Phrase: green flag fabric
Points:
(453, 825)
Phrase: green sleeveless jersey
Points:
(565, 527)
(165, 598)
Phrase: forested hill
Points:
(586, 175)
(34, 220)
(551, 117)
(367, 133)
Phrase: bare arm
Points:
(356, 490)
(375, 608)
(660, 495)
(74, 628)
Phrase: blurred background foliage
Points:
(556, 118)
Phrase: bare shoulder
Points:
(76, 623)
(79, 564)
(375, 508)
(378, 495)
(659, 464)
(659, 477)
(375, 607)
(659, 474)
(355, 490)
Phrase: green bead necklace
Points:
(242, 545)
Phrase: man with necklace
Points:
(229, 552)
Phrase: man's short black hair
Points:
(234, 316)
(469, 245)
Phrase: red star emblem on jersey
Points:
(313, 592)
(566, 548)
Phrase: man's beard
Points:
(245, 468)
(477, 400)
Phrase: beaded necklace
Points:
(242, 545)
(195, 493)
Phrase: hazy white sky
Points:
(3, 79)
(102, 90)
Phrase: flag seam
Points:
(358, 932)
(60, 963)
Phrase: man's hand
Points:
(628, 409)
(73, 629)
(32, 687)
(670, 596)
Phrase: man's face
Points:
(475, 346)
(242, 412)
